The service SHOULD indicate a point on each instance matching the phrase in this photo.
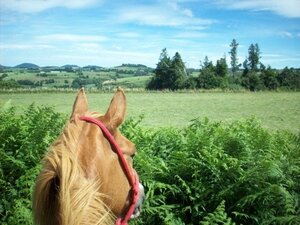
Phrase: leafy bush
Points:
(207, 173)
(215, 173)
(23, 141)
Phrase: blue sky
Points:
(110, 32)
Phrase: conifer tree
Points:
(233, 56)
(254, 56)
(169, 73)
(178, 71)
(221, 67)
(161, 79)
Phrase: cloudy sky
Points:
(111, 32)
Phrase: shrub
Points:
(215, 173)
(206, 173)
(24, 139)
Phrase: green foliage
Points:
(214, 173)
(252, 81)
(221, 67)
(169, 74)
(254, 56)
(269, 79)
(24, 139)
(257, 77)
(219, 216)
(206, 173)
(8, 84)
(85, 81)
(179, 72)
(289, 78)
(162, 78)
(213, 76)
(233, 56)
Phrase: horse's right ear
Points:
(80, 105)
(115, 114)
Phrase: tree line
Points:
(172, 74)
(252, 74)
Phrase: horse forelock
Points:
(62, 189)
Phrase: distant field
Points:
(130, 82)
(275, 110)
(130, 76)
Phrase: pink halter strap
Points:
(134, 183)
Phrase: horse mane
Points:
(63, 194)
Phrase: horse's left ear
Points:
(80, 105)
(115, 114)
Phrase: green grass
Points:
(130, 82)
(275, 110)
(110, 77)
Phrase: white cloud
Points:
(286, 34)
(183, 11)
(106, 57)
(33, 6)
(170, 14)
(286, 8)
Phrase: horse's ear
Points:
(80, 105)
(115, 114)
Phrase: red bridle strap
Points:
(134, 183)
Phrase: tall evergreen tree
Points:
(246, 67)
(207, 65)
(207, 78)
(254, 56)
(161, 79)
(233, 56)
(251, 79)
(178, 71)
(221, 67)
(169, 74)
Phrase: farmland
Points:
(71, 76)
(204, 156)
(275, 110)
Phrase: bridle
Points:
(133, 180)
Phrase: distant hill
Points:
(132, 65)
(69, 66)
(50, 67)
(3, 67)
(27, 66)
(93, 67)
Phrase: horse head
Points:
(91, 167)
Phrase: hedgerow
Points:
(217, 173)
(206, 173)
(23, 141)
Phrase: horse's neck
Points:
(63, 195)
(80, 200)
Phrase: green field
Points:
(275, 110)
(130, 76)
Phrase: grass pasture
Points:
(130, 76)
(275, 110)
(130, 82)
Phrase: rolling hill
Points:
(27, 66)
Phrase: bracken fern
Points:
(206, 173)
